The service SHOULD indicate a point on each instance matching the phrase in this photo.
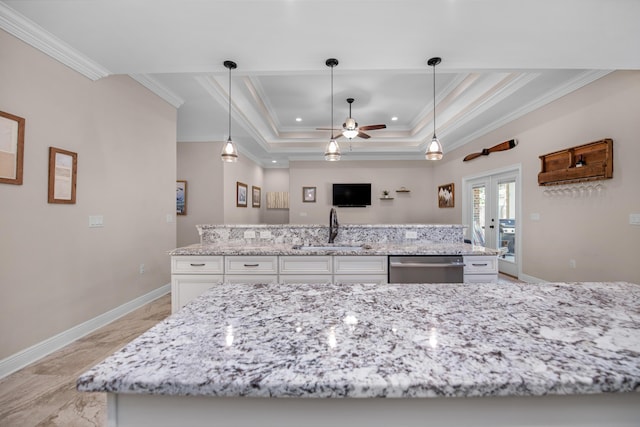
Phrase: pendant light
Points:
(229, 151)
(434, 149)
(332, 152)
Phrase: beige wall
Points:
(415, 207)
(55, 271)
(594, 231)
(200, 165)
(249, 173)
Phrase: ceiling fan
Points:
(350, 128)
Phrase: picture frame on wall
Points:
(63, 170)
(241, 194)
(11, 148)
(309, 194)
(181, 197)
(256, 194)
(446, 196)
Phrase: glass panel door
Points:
(491, 204)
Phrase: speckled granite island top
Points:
(387, 341)
(226, 248)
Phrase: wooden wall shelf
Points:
(563, 167)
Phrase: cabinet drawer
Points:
(251, 278)
(196, 265)
(250, 264)
(305, 264)
(480, 264)
(360, 264)
(480, 278)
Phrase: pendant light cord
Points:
(434, 100)
(229, 103)
(331, 102)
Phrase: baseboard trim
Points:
(531, 279)
(36, 352)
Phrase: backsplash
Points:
(319, 234)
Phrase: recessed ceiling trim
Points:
(262, 101)
(159, 89)
(34, 35)
(218, 93)
(581, 80)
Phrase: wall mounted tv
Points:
(351, 195)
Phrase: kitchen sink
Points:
(329, 247)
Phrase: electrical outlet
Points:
(572, 263)
(535, 216)
(265, 234)
(96, 221)
(142, 269)
(634, 219)
(250, 234)
(411, 235)
(169, 218)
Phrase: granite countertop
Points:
(433, 340)
(231, 248)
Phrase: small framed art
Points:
(241, 194)
(63, 166)
(256, 194)
(181, 197)
(309, 194)
(446, 196)
(11, 148)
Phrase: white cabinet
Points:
(480, 269)
(306, 269)
(250, 269)
(360, 269)
(191, 276)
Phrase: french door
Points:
(491, 208)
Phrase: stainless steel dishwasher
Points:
(426, 269)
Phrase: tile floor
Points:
(44, 394)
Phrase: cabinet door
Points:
(185, 287)
(324, 279)
(305, 264)
(360, 264)
(251, 278)
(378, 279)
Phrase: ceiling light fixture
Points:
(434, 150)
(229, 151)
(332, 152)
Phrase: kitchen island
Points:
(554, 354)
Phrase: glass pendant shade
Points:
(350, 133)
(229, 152)
(434, 150)
(332, 152)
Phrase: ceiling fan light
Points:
(434, 150)
(350, 133)
(332, 152)
(229, 152)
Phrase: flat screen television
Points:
(351, 195)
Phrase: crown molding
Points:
(31, 33)
(158, 88)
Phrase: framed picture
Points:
(241, 194)
(181, 197)
(309, 194)
(63, 166)
(446, 197)
(255, 196)
(11, 148)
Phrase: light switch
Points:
(535, 216)
(96, 221)
(169, 218)
(634, 219)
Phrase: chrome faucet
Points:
(333, 225)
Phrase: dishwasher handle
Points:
(396, 264)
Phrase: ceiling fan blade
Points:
(372, 127)
(336, 136)
(507, 145)
(363, 135)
